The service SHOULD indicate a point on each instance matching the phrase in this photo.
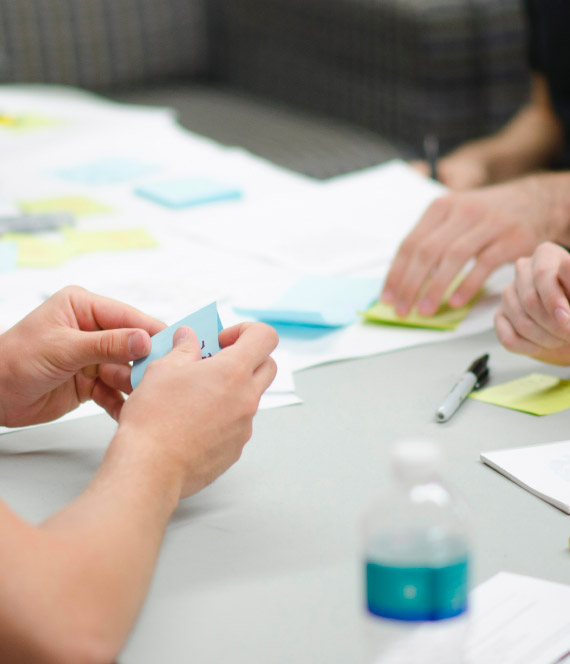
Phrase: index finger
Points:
(254, 341)
(433, 217)
(96, 312)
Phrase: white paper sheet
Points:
(519, 620)
(544, 470)
(513, 620)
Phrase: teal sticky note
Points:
(319, 302)
(107, 171)
(8, 256)
(187, 192)
(205, 322)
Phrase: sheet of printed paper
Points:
(514, 620)
(519, 620)
(537, 394)
(544, 470)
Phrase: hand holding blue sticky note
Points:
(187, 192)
(206, 324)
(319, 302)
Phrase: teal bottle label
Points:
(417, 593)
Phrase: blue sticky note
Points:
(319, 302)
(205, 322)
(107, 171)
(8, 256)
(187, 192)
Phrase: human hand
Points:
(457, 171)
(534, 315)
(192, 417)
(67, 351)
(494, 226)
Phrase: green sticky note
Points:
(89, 241)
(445, 318)
(79, 206)
(537, 394)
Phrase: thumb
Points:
(186, 341)
(116, 346)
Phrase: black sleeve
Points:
(532, 34)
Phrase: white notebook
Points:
(541, 469)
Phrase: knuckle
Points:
(529, 301)
(250, 405)
(426, 252)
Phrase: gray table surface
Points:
(264, 566)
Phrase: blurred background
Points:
(323, 87)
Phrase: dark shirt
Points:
(549, 53)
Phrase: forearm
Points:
(80, 592)
(531, 141)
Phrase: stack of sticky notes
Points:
(318, 302)
(445, 318)
(187, 192)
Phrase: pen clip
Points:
(483, 378)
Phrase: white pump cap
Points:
(416, 459)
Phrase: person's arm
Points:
(534, 315)
(532, 140)
(71, 588)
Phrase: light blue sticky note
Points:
(188, 192)
(107, 171)
(8, 256)
(319, 302)
(205, 322)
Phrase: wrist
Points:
(5, 372)
(141, 461)
(553, 190)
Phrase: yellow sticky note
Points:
(35, 252)
(445, 318)
(79, 206)
(537, 394)
(25, 122)
(87, 241)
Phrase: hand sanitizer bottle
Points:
(416, 563)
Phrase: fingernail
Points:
(456, 300)
(425, 306)
(388, 296)
(180, 335)
(138, 345)
(561, 315)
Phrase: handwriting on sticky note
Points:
(537, 394)
(206, 324)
